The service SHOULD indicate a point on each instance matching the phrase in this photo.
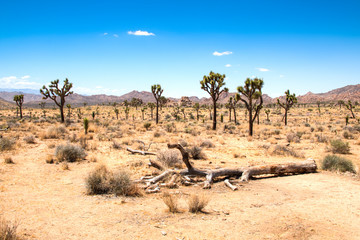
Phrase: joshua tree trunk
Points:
(214, 118)
(235, 116)
(250, 121)
(229, 114)
(157, 112)
(285, 116)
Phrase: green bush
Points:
(69, 153)
(337, 163)
(338, 146)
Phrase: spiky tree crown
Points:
(53, 91)
(251, 89)
(157, 91)
(213, 83)
(289, 98)
(19, 99)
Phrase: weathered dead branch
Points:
(244, 173)
(139, 152)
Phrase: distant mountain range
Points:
(33, 98)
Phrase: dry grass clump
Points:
(207, 144)
(69, 153)
(54, 132)
(338, 146)
(337, 163)
(196, 152)
(103, 181)
(8, 230)
(321, 138)
(8, 160)
(197, 203)
(170, 158)
(116, 145)
(170, 202)
(30, 139)
(6, 143)
(285, 151)
(348, 135)
(292, 137)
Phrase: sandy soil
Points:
(50, 203)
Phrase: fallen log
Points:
(139, 152)
(244, 173)
(307, 166)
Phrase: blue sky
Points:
(114, 47)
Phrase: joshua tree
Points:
(55, 91)
(127, 110)
(197, 108)
(267, 112)
(290, 100)
(251, 92)
(162, 102)
(341, 103)
(152, 106)
(69, 109)
(157, 91)
(142, 112)
(42, 106)
(117, 113)
(136, 102)
(213, 84)
(234, 103)
(86, 125)
(348, 105)
(228, 106)
(318, 103)
(183, 111)
(19, 99)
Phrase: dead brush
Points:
(197, 203)
(171, 202)
(8, 230)
(285, 151)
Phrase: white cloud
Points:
(115, 35)
(263, 69)
(216, 53)
(253, 76)
(282, 76)
(18, 83)
(228, 65)
(106, 34)
(141, 33)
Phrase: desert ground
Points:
(48, 199)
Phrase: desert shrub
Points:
(103, 181)
(147, 125)
(6, 143)
(348, 135)
(320, 128)
(276, 131)
(337, 163)
(54, 132)
(157, 134)
(170, 158)
(8, 230)
(307, 125)
(116, 145)
(8, 160)
(197, 203)
(121, 184)
(285, 151)
(292, 137)
(170, 202)
(196, 152)
(207, 144)
(321, 138)
(69, 153)
(170, 127)
(183, 143)
(338, 146)
(30, 139)
(98, 181)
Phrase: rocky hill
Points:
(350, 92)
